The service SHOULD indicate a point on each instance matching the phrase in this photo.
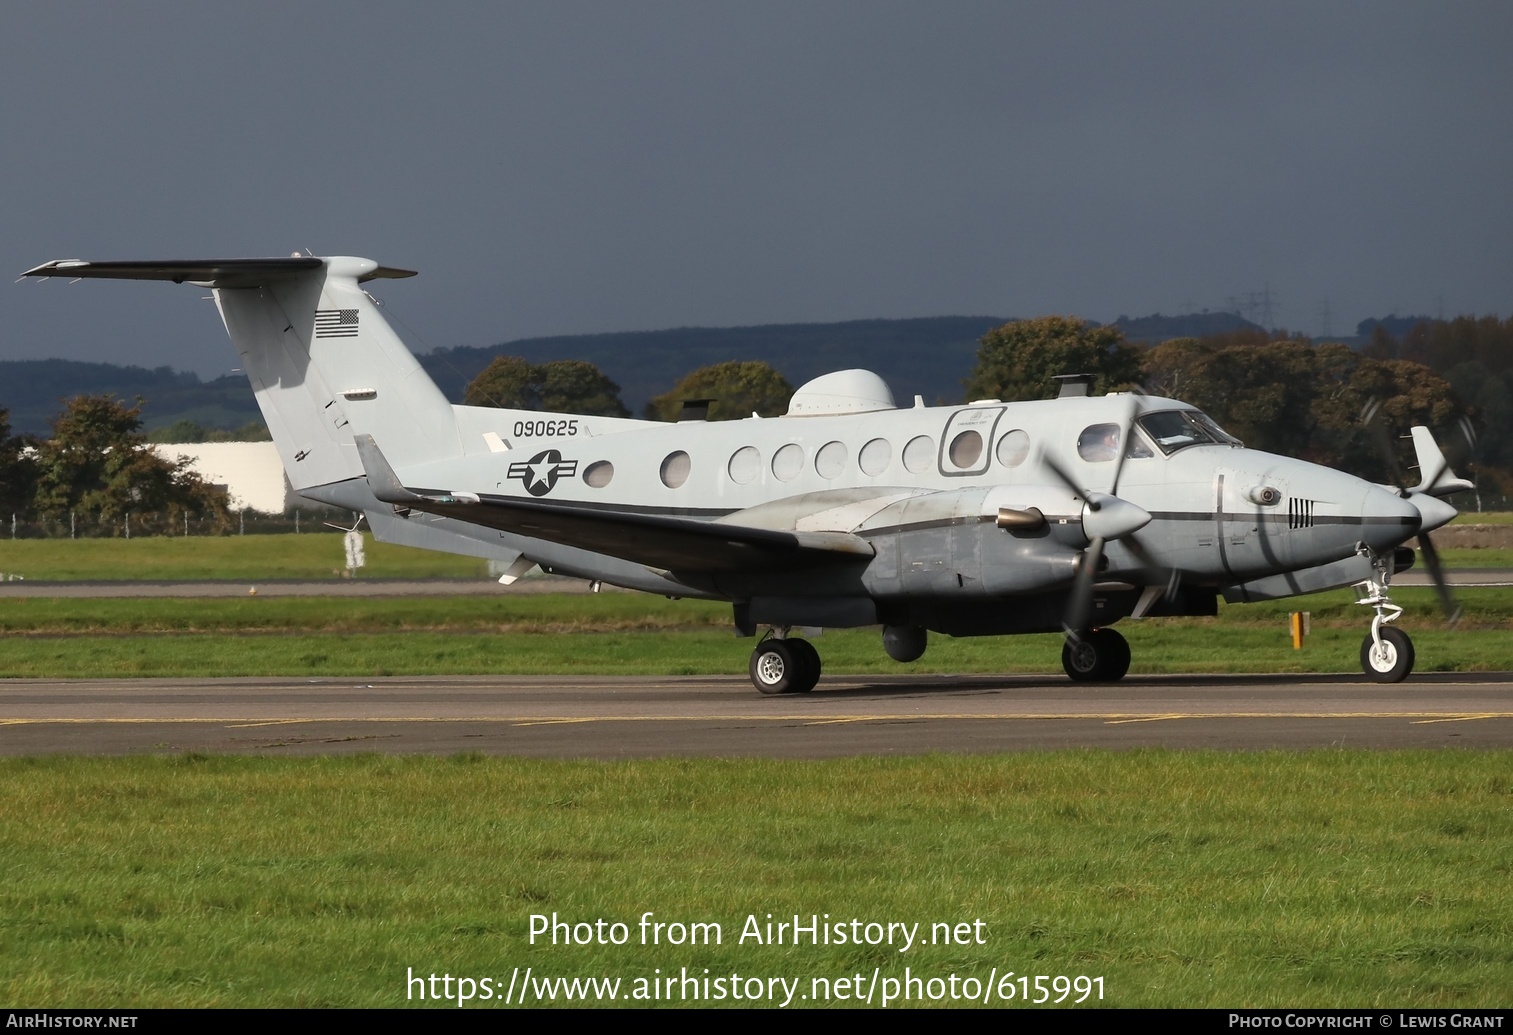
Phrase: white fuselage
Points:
(869, 472)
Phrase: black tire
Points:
(809, 665)
(1080, 659)
(775, 668)
(1395, 661)
(1098, 656)
(1116, 647)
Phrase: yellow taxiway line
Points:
(1111, 718)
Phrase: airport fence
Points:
(137, 525)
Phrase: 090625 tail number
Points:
(528, 428)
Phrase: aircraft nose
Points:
(1387, 519)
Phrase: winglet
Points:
(382, 480)
(1438, 479)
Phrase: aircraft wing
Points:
(656, 540)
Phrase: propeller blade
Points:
(1437, 574)
(1125, 429)
(1371, 418)
(1079, 605)
(1469, 433)
(1173, 575)
(1066, 480)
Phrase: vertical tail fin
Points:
(326, 366)
(324, 363)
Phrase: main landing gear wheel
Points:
(785, 666)
(809, 659)
(1097, 656)
(1392, 661)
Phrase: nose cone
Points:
(1433, 511)
(1388, 520)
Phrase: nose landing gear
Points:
(1387, 653)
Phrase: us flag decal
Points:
(336, 323)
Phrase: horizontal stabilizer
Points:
(221, 273)
(658, 540)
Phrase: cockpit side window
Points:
(1172, 430)
(1098, 443)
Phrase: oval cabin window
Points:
(675, 469)
(599, 474)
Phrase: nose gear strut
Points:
(1387, 653)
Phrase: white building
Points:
(251, 472)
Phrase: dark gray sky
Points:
(561, 167)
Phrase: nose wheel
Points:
(1387, 652)
(1388, 659)
(785, 666)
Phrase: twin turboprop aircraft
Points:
(983, 519)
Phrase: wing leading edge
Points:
(656, 540)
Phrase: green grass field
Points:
(613, 632)
(319, 555)
(312, 555)
(1157, 649)
(1330, 878)
(1182, 879)
(1490, 517)
(637, 634)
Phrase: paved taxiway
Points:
(608, 717)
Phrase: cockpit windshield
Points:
(1172, 430)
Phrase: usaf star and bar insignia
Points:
(540, 473)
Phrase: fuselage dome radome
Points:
(844, 391)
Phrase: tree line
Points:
(1325, 403)
(97, 476)
(1475, 355)
(735, 389)
(1277, 392)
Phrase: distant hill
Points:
(1397, 326)
(1155, 329)
(929, 356)
(33, 391)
